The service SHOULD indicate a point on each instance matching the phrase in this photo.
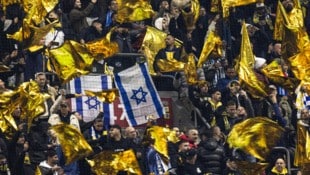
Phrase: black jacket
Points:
(211, 156)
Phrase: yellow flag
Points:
(70, 60)
(289, 28)
(191, 17)
(213, 43)
(274, 72)
(102, 48)
(7, 122)
(110, 163)
(246, 73)
(256, 136)
(36, 10)
(300, 63)
(153, 41)
(107, 96)
(190, 70)
(248, 168)
(170, 65)
(226, 4)
(160, 136)
(38, 171)
(23, 33)
(72, 142)
(133, 10)
(31, 101)
(302, 151)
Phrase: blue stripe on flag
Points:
(152, 90)
(106, 109)
(126, 100)
(78, 90)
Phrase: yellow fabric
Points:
(153, 41)
(283, 172)
(302, 151)
(274, 73)
(213, 44)
(256, 136)
(70, 60)
(72, 142)
(248, 168)
(106, 96)
(157, 133)
(36, 10)
(226, 4)
(190, 70)
(109, 163)
(31, 100)
(133, 10)
(246, 72)
(102, 48)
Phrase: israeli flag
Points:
(138, 94)
(89, 107)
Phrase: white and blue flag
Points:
(89, 107)
(138, 94)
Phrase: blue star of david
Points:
(92, 102)
(138, 95)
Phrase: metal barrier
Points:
(197, 114)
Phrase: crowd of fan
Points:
(220, 99)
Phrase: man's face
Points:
(277, 49)
(131, 133)
(193, 135)
(280, 165)
(234, 87)
(288, 5)
(113, 132)
(98, 125)
(231, 110)
(78, 4)
(164, 5)
(217, 96)
(114, 6)
(64, 109)
(169, 40)
(41, 80)
(231, 73)
(183, 147)
(54, 159)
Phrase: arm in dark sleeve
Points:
(278, 116)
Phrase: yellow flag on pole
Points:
(255, 136)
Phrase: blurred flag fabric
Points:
(138, 94)
(88, 106)
(226, 4)
(256, 136)
(302, 152)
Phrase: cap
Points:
(259, 62)
(272, 87)
(234, 82)
(260, 4)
